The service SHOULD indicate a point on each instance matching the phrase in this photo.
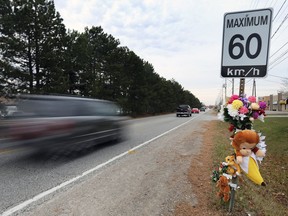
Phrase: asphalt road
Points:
(25, 174)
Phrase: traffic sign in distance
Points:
(246, 38)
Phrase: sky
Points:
(182, 39)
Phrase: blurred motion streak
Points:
(48, 123)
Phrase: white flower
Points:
(231, 111)
(262, 146)
(261, 117)
(242, 116)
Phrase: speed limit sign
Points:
(246, 38)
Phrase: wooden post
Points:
(232, 86)
(254, 88)
(242, 87)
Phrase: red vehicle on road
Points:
(195, 110)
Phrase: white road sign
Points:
(246, 38)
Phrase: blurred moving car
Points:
(195, 110)
(46, 122)
(183, 109)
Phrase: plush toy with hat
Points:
(245, 144)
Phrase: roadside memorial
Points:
(245, 53)
(248, 146)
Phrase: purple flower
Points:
(255, 115)
(262, 104)
(245, 101)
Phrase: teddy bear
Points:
(232, 167)
(244, 142)
(224, 188)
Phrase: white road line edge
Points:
(52, 190)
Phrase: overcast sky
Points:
(182, 39)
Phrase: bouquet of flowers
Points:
(240, 112)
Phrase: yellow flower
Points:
(255, 106)
(237, 104)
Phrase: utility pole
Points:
(242, 87)
(254, 88)
(232, 86)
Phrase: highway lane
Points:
(25, 174)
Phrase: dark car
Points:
(46, 122)
(183, 109)
(202, 109)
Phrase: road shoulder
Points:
(167, 177)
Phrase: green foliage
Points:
(32, 47)
(40, 56)
(239, 123)
(276, 131)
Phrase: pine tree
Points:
(32, 47)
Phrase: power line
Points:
(251, 4)
(280, 13)
(279, 49)
(277, 64)
(274, 4)
(278, 76)
(280, 34)
(271, 81)
(279, 57)
(285, 18)
(256, 3)
(267, 3)
(279, 10)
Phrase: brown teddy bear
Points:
(224, 188)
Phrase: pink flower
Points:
(243, 110)
(252, 99)
(232, 98)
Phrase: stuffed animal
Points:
(244, 142)
(233, 168)
(224, 188)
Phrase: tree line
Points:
(39, 56)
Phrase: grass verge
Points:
(252, 199)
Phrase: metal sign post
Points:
(245, 51)
(233, 191)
